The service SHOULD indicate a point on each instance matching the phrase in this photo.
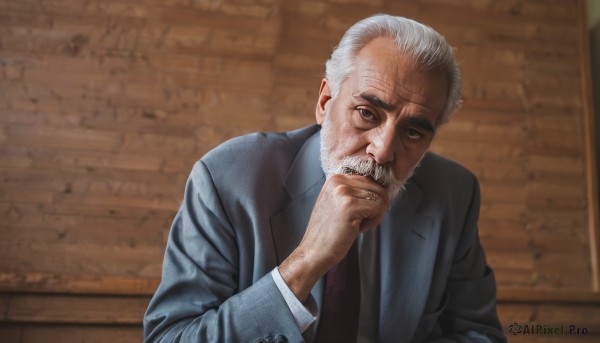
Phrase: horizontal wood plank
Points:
(106, 105)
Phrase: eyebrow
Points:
(416, 121)
(422, 123)
(375, 101)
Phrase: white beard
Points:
(383, 175)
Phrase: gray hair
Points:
(428, 48)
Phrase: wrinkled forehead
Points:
(382, 58)
(394, 76)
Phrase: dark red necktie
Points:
(341, 303)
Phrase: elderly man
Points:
(376, 243)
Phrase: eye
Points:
(366, 114)
(413, 133)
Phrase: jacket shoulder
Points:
(254, 164)
(255, 147)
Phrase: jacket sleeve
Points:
(199, 298)
(470, 314)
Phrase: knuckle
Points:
(346, 201)
(341, 190)
(336, 178)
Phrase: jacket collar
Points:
(303, 183)
(306, 170)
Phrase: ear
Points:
(324, 97)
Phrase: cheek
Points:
(347, 140)
(347, 147)
(355, 143)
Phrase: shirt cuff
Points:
(304, 316)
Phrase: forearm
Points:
(201, 297)
(300, 272)
(255, 313)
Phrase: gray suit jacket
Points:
(246, 206)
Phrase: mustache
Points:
(354, 165)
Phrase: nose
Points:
(382, 144)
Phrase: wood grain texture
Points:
(590, 142)
(31, 318)
(105, 105)
(38, 333)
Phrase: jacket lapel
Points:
(303, 184)
(407, 244)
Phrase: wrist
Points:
(301, 272)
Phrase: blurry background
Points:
(106, 104)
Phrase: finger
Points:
(367, 184)
(372, 196)
(368, 207)
(358, 192)
(363, 198)
(371, 215)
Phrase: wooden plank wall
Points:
(106, 104)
